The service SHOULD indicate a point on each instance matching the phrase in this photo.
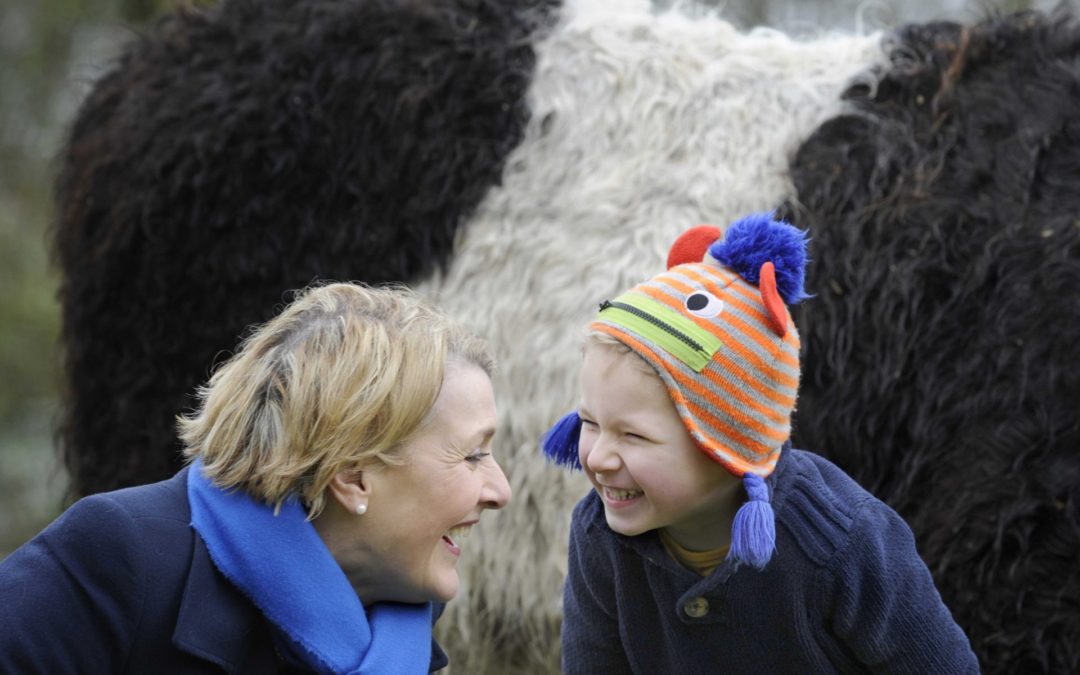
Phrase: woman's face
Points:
(419, 513)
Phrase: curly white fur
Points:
(642, 125)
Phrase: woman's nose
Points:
(497, 491)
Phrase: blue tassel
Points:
(560, 443)
(753, 535)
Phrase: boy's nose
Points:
(601, 457)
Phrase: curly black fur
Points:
(942, 354)
(238, 152)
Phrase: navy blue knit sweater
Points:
(844, 592)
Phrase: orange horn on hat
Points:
(771, 298)
(691, 245)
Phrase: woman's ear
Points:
(351, 488)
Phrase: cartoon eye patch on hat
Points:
(716, 328)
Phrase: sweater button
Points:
(696, 608)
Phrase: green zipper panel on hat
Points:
(674, 333)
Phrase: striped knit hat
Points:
(716, 329)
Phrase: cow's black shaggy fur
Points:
(942, 354)
(238, 152)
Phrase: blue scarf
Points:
(282, 565)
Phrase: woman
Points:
(336, 462)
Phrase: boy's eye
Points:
(705, 305)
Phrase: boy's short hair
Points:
(337, 380)
(595, 338)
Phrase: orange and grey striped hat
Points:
(716, 329)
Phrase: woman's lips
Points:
(454, 550)
(456, 534)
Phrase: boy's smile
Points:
(642, 462)
(617, 498)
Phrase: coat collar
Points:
(216, 622)
(648, 546)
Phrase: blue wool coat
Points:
(120, 583)
(845, 592)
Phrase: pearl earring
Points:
(361, 509)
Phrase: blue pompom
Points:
(753, 535)
(756, 239)
(560, 443)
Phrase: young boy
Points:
(709, 545)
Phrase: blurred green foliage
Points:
(50, 53)
(40, 83)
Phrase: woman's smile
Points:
(456, 534)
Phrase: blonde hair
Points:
(338, 380)
(596, 338)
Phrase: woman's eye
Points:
(476, 457)
(705, 305)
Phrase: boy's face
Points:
(640, 458)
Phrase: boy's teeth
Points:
(621, 495)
